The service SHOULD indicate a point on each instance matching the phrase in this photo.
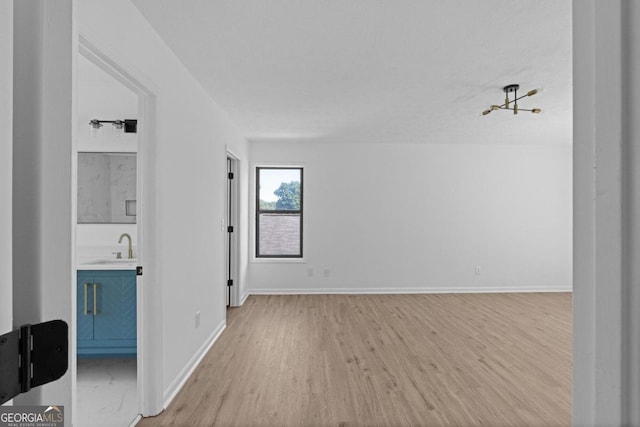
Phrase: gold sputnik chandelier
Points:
(507, 103)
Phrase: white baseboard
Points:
(177, 384)
(244, 297)
(436, 290)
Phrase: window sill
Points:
(278, 260)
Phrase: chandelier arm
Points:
(519, 109)
(520, 97)
(503, 106)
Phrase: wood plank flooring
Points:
(385, 360)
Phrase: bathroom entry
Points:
(108, 250)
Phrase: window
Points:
(279, 212)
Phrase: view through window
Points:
(279, 212)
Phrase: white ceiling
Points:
(391, 71)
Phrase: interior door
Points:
(230, 229)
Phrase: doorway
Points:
(232, 243)
(119, 380)
(107, 245)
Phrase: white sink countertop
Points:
(94, 263)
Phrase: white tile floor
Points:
(107, 394)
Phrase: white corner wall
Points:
(420, 218)
(6, 168)
(191, 135)
(101, 96)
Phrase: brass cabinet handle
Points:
(86, 285)
(95, 299)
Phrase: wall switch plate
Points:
(477, 270)
(197, 319)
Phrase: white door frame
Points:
(6, 170)
(149, 298)
(235, 236)
(606, 224)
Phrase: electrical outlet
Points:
(197, 319)
(326, 272)
(477, 270)
(310, 272)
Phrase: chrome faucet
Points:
(130, 248)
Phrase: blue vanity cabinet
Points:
(106, 307)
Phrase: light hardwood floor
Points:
(385, 360)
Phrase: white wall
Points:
(42, 132)
(192, 133)
(403, 218)
(6, 159)
(101, 96)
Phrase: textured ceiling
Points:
(392, 71)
